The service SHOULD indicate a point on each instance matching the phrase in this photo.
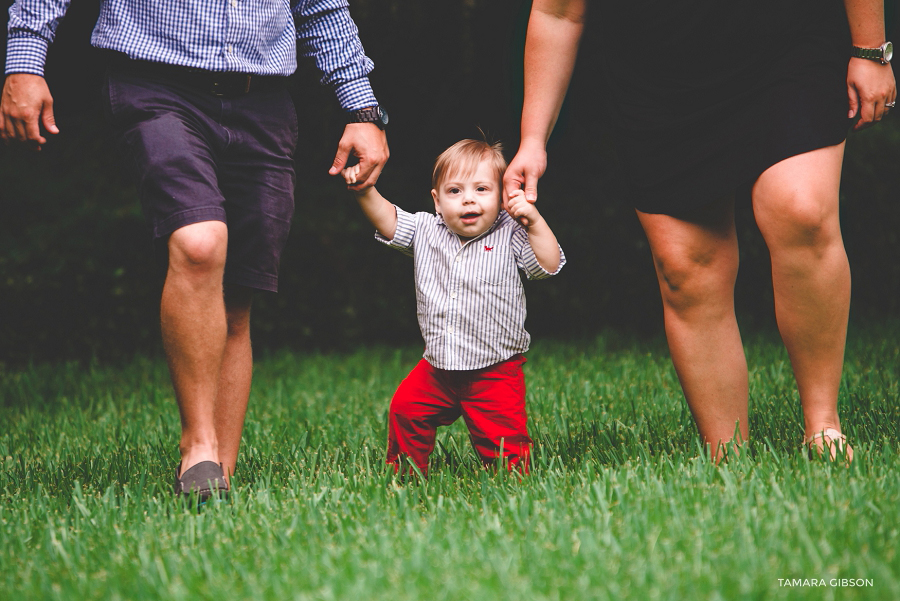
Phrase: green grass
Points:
(620, 503)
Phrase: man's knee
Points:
(199, 247)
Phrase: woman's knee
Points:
(796, 201)
(800, 219)
(688, 279)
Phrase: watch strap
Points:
(371, 114)
(872, 54)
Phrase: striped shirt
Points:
(469, 298)
(262, 37)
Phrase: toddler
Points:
(470, 304)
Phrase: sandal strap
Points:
(835, 436)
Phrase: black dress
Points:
(708, 94)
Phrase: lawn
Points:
(620, 503)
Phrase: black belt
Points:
(217, 83)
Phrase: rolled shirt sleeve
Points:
(526, 259)
(32, 27)
(327, 35)
(405, 233)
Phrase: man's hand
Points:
(26, 103)
(368, 143)
(870, 87)
(525, 169)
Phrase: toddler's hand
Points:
(521, 210)
(350, 174)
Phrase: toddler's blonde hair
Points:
(462, 159)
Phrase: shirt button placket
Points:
(452, 313)
(229, 48)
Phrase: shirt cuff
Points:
(356, 94)
(404, 232)
(533, 269)
(26, 54)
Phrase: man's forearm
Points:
(32, 27)
(327, 35)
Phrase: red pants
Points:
(491, 400)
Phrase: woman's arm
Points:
(870, 85)
(554, 30)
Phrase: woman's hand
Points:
(870, 87)
(524, 171)
(521, 210)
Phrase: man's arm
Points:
(327, 34)
(870, 85)
(26, 102)
(554, 31)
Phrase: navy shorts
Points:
(199, 157)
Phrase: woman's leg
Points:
(696, 264)
(796, 207)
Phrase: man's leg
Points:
(234, 377)
(195, 331)
(796, 207)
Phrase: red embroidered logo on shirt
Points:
(488, 248)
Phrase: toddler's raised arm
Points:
(540, 236)
(379, 210)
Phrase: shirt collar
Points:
(502, 217)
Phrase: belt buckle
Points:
(231, 86)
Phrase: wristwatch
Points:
(882, 54)
(372, 114)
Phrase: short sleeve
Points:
(527, 261)
(405, 233)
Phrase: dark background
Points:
(77, 279)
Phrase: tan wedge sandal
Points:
(833, 442)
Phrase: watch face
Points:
(888, 51)
(384, 116)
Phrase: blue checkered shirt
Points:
(469, 297)
(262, 37)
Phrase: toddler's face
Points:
(469, 205)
